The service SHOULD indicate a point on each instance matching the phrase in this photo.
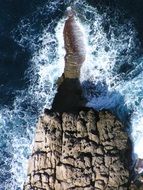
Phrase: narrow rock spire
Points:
(69, 96)
(74, 46)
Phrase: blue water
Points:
(32, 58)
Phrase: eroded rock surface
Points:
(74, 46)
(82, 151)
(69, 96)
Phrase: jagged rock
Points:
(70, 152)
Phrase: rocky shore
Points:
(78, 148)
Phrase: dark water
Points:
(25, 89)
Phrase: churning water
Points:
(111, 77)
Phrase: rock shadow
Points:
(69, 97)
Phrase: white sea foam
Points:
(17, 125)
(105, 86)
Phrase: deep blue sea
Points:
(32, 58)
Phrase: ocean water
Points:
(32, 58)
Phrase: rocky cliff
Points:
(82, 151)
(78, 148)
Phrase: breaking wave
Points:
(17, 124)
(112, 74)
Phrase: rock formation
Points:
(69, 96)
(74, 45)
(78, 148)
(82, 151)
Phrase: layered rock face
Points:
(82, 151)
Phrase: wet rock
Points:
(74, 46)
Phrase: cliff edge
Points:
(82, 151)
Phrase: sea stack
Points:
(75, 147)
(74, 46)
(69, 96)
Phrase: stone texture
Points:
(74, 46)
(79, 151)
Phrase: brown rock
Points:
(68, 158)
(75, 47)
